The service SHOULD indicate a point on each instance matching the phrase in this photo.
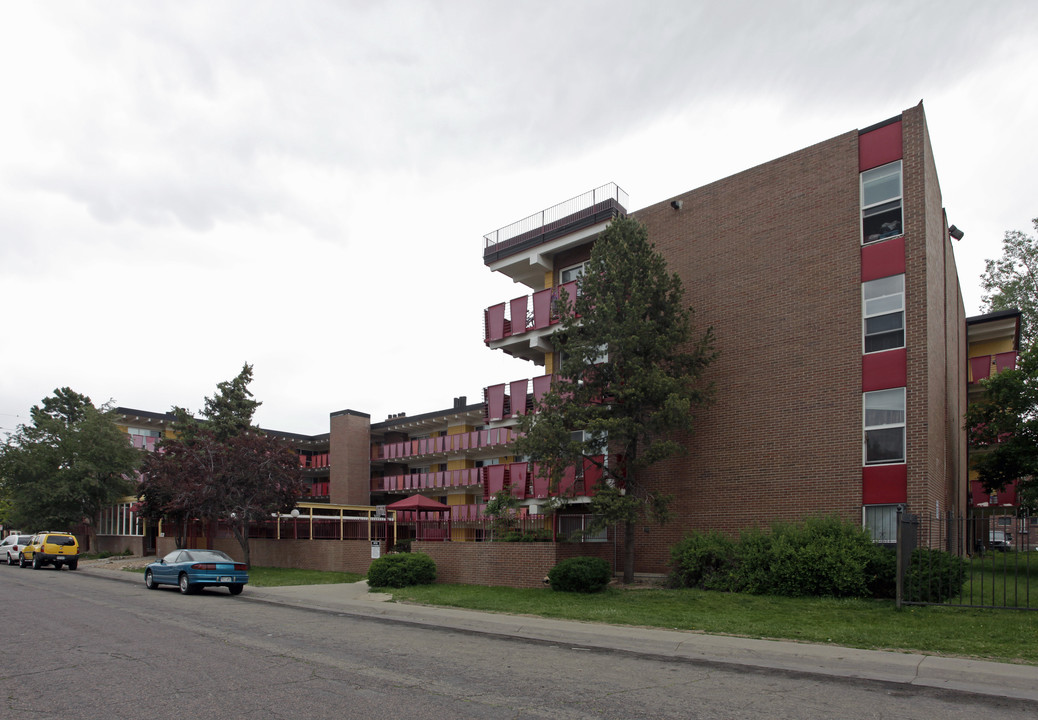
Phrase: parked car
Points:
(194, 569)
(50, 548)
(11, 546)
(1000, 540)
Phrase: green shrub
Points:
(881, 573)
(703, 560)
(527, 536)
(580, 574)
(933, 576)
(401, 570)
(821, 556)
(401, 546)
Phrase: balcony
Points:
(523, 250)
(415, 482)
(521, 326)
(984, 366)
(510, 400)
(443, 445)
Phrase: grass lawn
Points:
(1001, 635)
(279, 577)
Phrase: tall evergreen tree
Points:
(629, 380)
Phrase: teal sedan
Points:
(195, 569)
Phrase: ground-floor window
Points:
(881, 522)
(121, 519)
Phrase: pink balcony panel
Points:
(571, 297)
(495, 480)
(541, 485)
(496, 322)
(569, 478)
(517, 473)
(980, 368)
(541, 386)
(542, 308)
(517, 309)
(1005, 361)
(517, 391)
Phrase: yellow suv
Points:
(50, 548)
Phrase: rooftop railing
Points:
(557, 216)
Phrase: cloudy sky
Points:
(304, 186)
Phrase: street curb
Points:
(975, 677)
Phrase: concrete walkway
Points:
(972, 676)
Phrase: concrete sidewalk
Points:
(972, 676)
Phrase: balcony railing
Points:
(526, 313)
(492, 479)
(983, 366)
(606, 201)
(508, 400)
(443, 445)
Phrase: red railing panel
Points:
(496, 322)
(517, 309)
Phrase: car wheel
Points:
(149, 580)
(36, 564)
(236, 588)
(10, 560)
(73, 564)
(21, 560)
(185, 587)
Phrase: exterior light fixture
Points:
(955, 232)
(676, 204)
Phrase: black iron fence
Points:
(982, 561)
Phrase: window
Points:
(881, 202)
(571, 273)
(881, 522)
(885, 426)
(884, 313)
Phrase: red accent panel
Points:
(880, 146)
(883, 259)
(884, 370)
(882, 484)
(495, 479)
(495, 402)
(542, 308)
(569, 478)
(518, 473)
(980, 368)
(517, 308)
(540, 487)
(1005, 361)
(541, 385)
(517, 391)
(496, 322)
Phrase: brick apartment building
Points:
(829, 279)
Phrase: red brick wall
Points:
(349, 458)
(771, 259)
(326, 555)
(504, 564)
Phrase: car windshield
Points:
(62, 540)
(23, 539)
(208, 556)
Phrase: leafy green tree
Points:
(628, 383)
(223, 468)
(68, 464)
(1011, 281)
(1002, 428)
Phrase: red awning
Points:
(418, 502)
